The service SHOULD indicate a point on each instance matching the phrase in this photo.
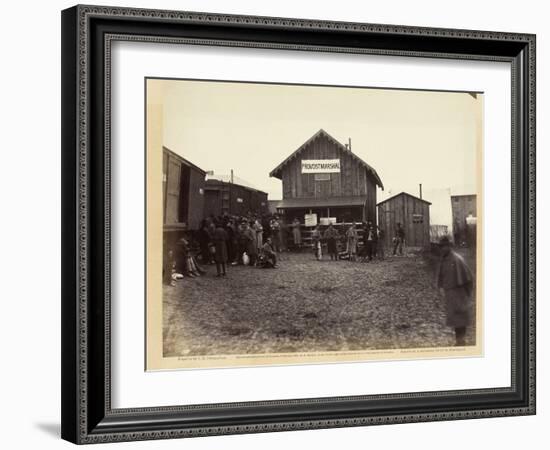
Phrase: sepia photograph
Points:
(278, 223)
(301, 224)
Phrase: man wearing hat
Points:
(455, 281)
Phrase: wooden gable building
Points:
(413, 213)
(326, 178)
(183, 192)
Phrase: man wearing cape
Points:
(455, 280)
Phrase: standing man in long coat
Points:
(296, 234)
(259, 229)
(370, 241)
(250, 242)
(352, 238)
(204, 240)
(220, 243)
(331, 236)
(316, 243)
(232, 247)
(276, 237)
(455, 282)
(398, 240)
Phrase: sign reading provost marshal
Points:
(320, 166)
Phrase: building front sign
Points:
(310, 220)
(320, 166)
(328, 220)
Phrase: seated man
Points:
(268, 257)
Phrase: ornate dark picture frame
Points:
(87, 34)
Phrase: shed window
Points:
(322, 177)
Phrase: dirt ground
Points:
(307, 305)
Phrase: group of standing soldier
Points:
(256, 240)
(232, 240)
(239, 241)
(373, 242)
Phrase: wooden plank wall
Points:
(196, 200)
(173, 172)
(252, 201)
(239, 208)
(370, 206)
(401, 210)
(212, 202)
(223, 198)
(352, 180)
(182, 197)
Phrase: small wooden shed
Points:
(413, 213)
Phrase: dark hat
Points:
(444, 241)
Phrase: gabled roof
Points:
(277, 172)
(185, 161)
(227, 179)
(219, 178)
(403, 193)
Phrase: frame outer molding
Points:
(76, 219)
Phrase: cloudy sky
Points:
(409, 137)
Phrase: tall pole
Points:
(421, 191)
(230, 194)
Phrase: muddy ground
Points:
(307, 305)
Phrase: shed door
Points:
(184, 194)
(417, 220)
(212, 203)
(173, 191)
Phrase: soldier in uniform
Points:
(455, 282)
